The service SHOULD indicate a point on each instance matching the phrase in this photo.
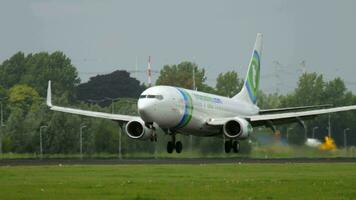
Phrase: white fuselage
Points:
(187, 111)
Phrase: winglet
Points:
(49, 94)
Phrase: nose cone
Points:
(146, 110)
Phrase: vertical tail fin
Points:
(249, 90)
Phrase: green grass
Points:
(222, 181)
(267, 151)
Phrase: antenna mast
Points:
(194, 86)
(149, 74)
(277, 68)
(303, 66)
(136, 68)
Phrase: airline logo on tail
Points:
(253, 78)
(249, 92)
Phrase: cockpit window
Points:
(159, 97)
(151, 96)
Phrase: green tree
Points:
(62, 134)
(15, 131)
(36, 69)
(23, 106)
(106, 137)
(313, 90)
(20, 131)
(22, 124)
(308, 92)
(4, 101)
(336, 93)
(3, 92)
(24, 97)
(11, 70)
(228, 84)
(117, 84)
(181, 75)
(269, 101)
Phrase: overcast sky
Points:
(103, 36)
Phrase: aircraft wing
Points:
(310, 113)
(115, 117)
(279, 118)
(292, 109)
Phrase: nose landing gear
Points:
(171, 145)
(154, 135)
(232, 145)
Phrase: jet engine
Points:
(237, 128)
(138, 130)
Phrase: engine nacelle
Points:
(138, 130)
(237, 128)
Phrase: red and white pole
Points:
(149, 73)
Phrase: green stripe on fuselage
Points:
(188, 109)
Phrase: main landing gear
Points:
(171, 145)
(232, 145)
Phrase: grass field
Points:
(213, 181)
(267, 151)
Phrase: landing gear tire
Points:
(236, 146)
(179, 146)
(154, 139)
(173, 145)
(170, 147)
(228, 145)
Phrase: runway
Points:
(167, 161)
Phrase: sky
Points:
(103, 36)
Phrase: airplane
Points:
(181, 111)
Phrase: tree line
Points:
(23, 84)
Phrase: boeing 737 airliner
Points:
(180, 111)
